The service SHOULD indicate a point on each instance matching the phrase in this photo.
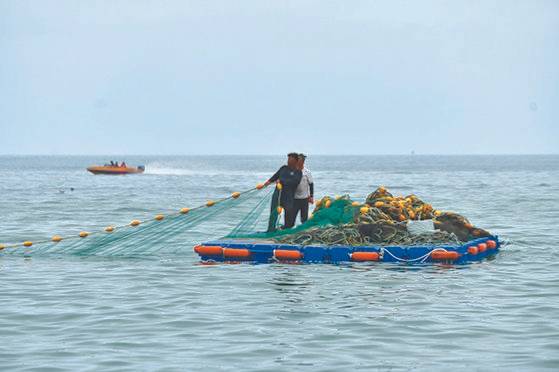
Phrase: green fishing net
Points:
(382, 220)
(330, 213)
(254, 215)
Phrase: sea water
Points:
(165, 311)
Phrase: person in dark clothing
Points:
(304, 194)
(289, 177)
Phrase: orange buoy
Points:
(327, 203)
(135, 222)
(491, 244)
(159, 217)
(379, 204)
(203, 250)
(288, 255)
(364, 256)
(83, 234)
(401, 218)
(279, 210)
(444, 255)
(279, 186)
(210, 203)
(109, 229)
(260, 186)
(426, 208)
(355, 204)
(482, 247)
(235, 195)
(364, 210)
(56, 238)
(184, 210)
(472, 250)
(27, 244)
(236, 253)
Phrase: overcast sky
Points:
(268, 77)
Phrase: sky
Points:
(270, 77)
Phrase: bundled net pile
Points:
(382, 220)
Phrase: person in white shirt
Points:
(304, 194)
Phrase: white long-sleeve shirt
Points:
(303, 190)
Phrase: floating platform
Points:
(261, 251)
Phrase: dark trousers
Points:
(301, 205)
(290, 215)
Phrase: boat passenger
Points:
(304, 194)
(289, 177)
(123, 165)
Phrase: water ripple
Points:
(167, 312)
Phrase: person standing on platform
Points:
(304, 194)
(289, 176)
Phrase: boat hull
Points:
(114, 170)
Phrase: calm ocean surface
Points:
(164, 311)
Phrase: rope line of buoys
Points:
(132, 224)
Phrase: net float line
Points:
(132, 224)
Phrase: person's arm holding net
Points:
(274, 178)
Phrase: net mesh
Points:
(340, 211)
(169, 234)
